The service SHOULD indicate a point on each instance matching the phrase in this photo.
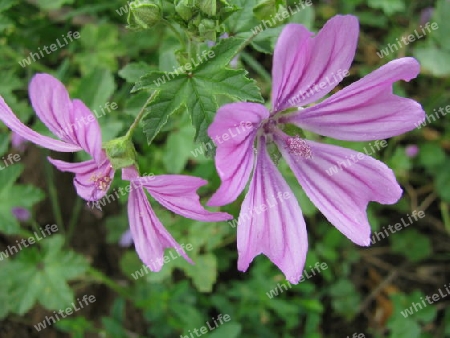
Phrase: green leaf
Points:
(434, 60)
(244, 19)
(46, 274)
(133, 71)
(345, 298)
(177, 150)
(227, 330)
(204, 272)
(441, 15)
(412, 245)
(265, 41)
(96, 89)
(4, 296)
(77, 326)
(53, 4)
(196, 90)
(101, 48)
(6, 4)
(442, 182)
(404, 328)
(267, 9)
(12, 196)
(208, 7)
(431, 156)
(389, 7)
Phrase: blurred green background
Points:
(362, 291)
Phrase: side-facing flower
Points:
(305, 69)
(76, 127)
(176, 193)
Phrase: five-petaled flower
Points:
(93, 178)
(364, 111)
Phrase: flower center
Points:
(269, 126)
(298, 146)
(101, 182)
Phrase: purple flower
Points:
(93, 178)
(21, 214)
(426, 14)
(176, 193)
(305, 69)
(412, 150)
(63, 117)
(18, 142)
(126, 239)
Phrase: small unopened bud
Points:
(207, 29)
(209, 7)
(144, 14)
(185, 9)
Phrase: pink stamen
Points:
(299, 147)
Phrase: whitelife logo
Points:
(47, 231)
(53, 48)
(70, 310)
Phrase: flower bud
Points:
(144, 14)
(185, 9)
(120, 152)
(207, 29)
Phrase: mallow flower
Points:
(78, 129)
(305, 69)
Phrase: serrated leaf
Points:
(412, 244)
(12, 196)
(196, 91)
(133, 71)
(227, 330)
(434, 60)
(96, 88)
(177, 150)
(204, 272)
(46, 274)
(244, 19)
(441, 14)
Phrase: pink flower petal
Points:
(279, 232)
(149, 235)
(91, 180)
(342, 195)
(13, 123)
(367, 109)
(52, 104)
(87, 131)
(178, 193)
(70, 120)
(234, 130)
(305, 69)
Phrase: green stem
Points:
(260, 70)
(102, 278)
(177, 34)
(245, 43)
(139, 117)
(189, 47)
(35, 225)
(445, 216)
(25, 233)
(73, 220)
(53, 195)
